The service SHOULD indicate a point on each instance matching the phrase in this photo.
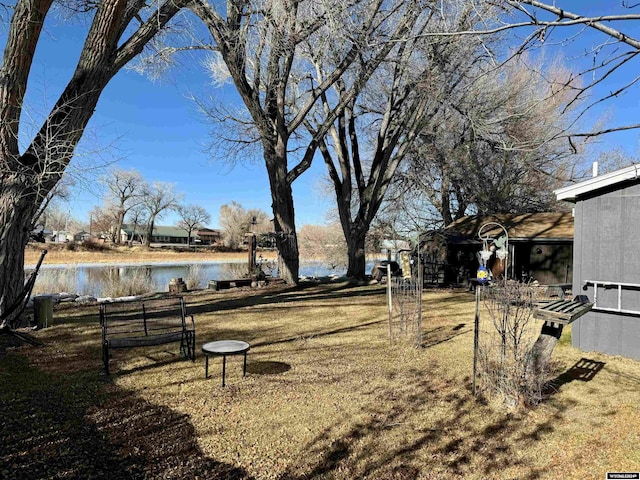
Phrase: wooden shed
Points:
(540, 246)
(606, 261)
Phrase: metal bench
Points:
(145, 323)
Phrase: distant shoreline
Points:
(155, 263)
(59, 256)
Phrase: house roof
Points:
(628, 174)
(527, 226)
(160, 231)
(208, 231)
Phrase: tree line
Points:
(372, 87)
(132, 201)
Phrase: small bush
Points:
(195, 277)
(94, 245)
(505, 354)
(235, 270)
(70, 246)
(56, 281)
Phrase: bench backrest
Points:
(143, 318)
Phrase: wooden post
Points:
(43, 311)
(252, 255)
(544, 345)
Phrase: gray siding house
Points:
(606, 261)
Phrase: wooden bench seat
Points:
(146, 323)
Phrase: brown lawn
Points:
(326, 396)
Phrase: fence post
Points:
(476, 328)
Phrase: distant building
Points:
(167, 235)
(208, 236)
(82, 236)
(60, 236)
(540, 247)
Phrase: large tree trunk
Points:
(26, 180)
(356, 267)
(16, 211)
(117, 239)
(283, 215)
(150, 225)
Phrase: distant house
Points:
(82, 236)
(606, 261)
(60, 236)
(208, 236)
(540, 247)
(161, 235)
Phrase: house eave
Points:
(572, 192)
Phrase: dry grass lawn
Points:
(326, 396)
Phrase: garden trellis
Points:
(404, 295)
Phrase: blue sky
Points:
(155, 129)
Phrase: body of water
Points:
(94, 279)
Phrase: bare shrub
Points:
(136, 283)
(56, 281)
(507, 335)
(235, 270)
(70, 246)
(195, 277)
(95, 245)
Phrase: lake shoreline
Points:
(62, 256)
(145, 263)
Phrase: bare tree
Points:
(236, 222)
(103, 219)
(191, 218)
(60, 193)
(137, 220)
(265, 46)
(376, 130)
(494, 146)
(157, 198)
(614, 46)
(59, 218)
(324, 242)
(124, 192)
(119, 31)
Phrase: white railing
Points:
(620, 286)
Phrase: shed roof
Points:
(527, 226)
(600, 182)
